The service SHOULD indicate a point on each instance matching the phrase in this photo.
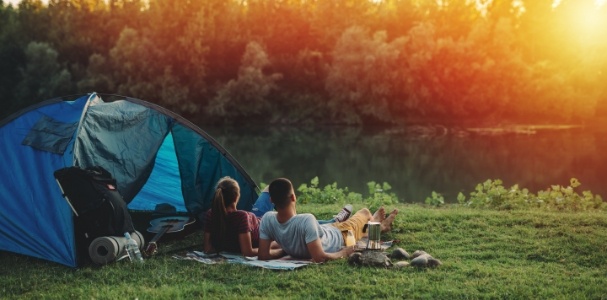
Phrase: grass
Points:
(486, 254)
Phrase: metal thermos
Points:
(374, 229)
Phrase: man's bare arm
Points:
(265, 251)
(319, 255)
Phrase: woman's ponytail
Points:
(226, 193)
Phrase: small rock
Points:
(400, 253)
(401, 264)
(433, 262)
(370, 258)
(355, 258)
(418, 253)
(376, 259)
(421, 260)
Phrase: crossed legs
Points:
(361, 217)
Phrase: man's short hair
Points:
(280, 192)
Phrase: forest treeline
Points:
(315, 61)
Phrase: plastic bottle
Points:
(132, 249)
(350, 240)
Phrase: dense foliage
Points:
(490, 194)
(353, 61)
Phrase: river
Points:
(420, 159)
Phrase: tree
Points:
(11, 57)
(137, 70)
(43, 76)
(362, 81)
(98, 76)
(248, 95)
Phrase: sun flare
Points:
(590, 20)
(598, 3)
(586, 21)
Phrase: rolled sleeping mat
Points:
(106, 249)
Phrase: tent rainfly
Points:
(155, 155)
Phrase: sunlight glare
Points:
(589, 22)
(598, 3)
(555, 3)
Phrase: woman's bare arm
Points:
(208, 247)
(246, 245)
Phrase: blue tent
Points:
(155, 155)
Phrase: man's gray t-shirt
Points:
(294, 235)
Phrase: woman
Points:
(228, 229)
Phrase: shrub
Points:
(329, 194)
(436, 199)
(492, 194)
(378, 194)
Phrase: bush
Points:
(489, 194)
(436, 199)
(492, 194)
(327, 195)
(378, 194)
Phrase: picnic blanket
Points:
(362, 244)
(235, 258)
(285, 263)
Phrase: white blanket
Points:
(275, 264)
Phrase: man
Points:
(263, 205)
(300, 235)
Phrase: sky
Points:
(15, 2)
(479, 2)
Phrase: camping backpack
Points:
(99, 209)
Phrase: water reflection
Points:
(419, 160)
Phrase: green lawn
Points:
(523, 254)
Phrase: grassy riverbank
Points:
(518, 254)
